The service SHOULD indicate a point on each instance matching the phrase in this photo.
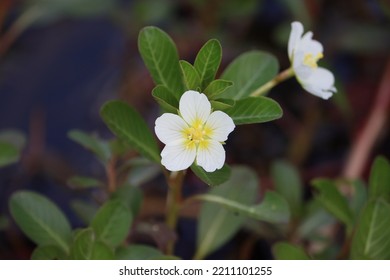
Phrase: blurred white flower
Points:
(304, 52)
(196, 134)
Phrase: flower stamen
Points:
(311, 60)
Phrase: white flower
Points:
(196, 134)
(304, 52)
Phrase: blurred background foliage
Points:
(60, 60)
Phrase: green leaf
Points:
(315, 218)
(217, 87)
(138, 252)
(359, 197)
(84, 210)
(191, 77)
(289, 185)
(47, 252)
(248, 72)
(273, 208)
(332, 200)
(40, 219)
(287, 251)
(222, 104)
(255, 110)
(126, 123)
(86, 247)
(380, 179)
(218, 224)
(130, 196)
(82, 182)
(9, 154)
(207, 61)
(15, 137)
(92, 143)
(112, 222)
(160, 56)
(165, 99)
(212, 178)
(372, 237)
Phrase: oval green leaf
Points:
(127, 124)
(379, 183)
(217, 224)
(165, 99)
(254, 110)
(207, 61)
(112, 222)
(287, 251)
(191, 77)
(248, 72)
(212, 178)
(40, 219)
(160, 56)
(372, 237)
(332, 200)
(216, 88)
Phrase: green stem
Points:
(286, 74)
(174, 199)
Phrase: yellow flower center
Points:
(197, 134)
(311, 60)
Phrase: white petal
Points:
(220, 125)
(320, 83)
(308, 45)
(169, 128)
(194, 106)
(211, 156)
(295, 37)
(177, 157)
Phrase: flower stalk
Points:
(174, 199)
(282, 76)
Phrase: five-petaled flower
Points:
(304, 52)
(196, 134)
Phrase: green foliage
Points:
(112, 222)
(289, 185)
(165, 99)
(141, 252)
(212, 178)
(160, 56)
(11, 144)
(273, 208)
(93, 143)
(217, 224)
(127, 124)
(9, 154)
(82, 182)
(286, 251)
(380, 179)
(47, 252)
(217, 87)
(84, 210)
(332, 200)
(254, 110)
(372, 237)
(222, 104)
(130, 196)
(40, 219)
(87, 247)
(248, 72)
(191, 76)
(359, 197)
(207, 61)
